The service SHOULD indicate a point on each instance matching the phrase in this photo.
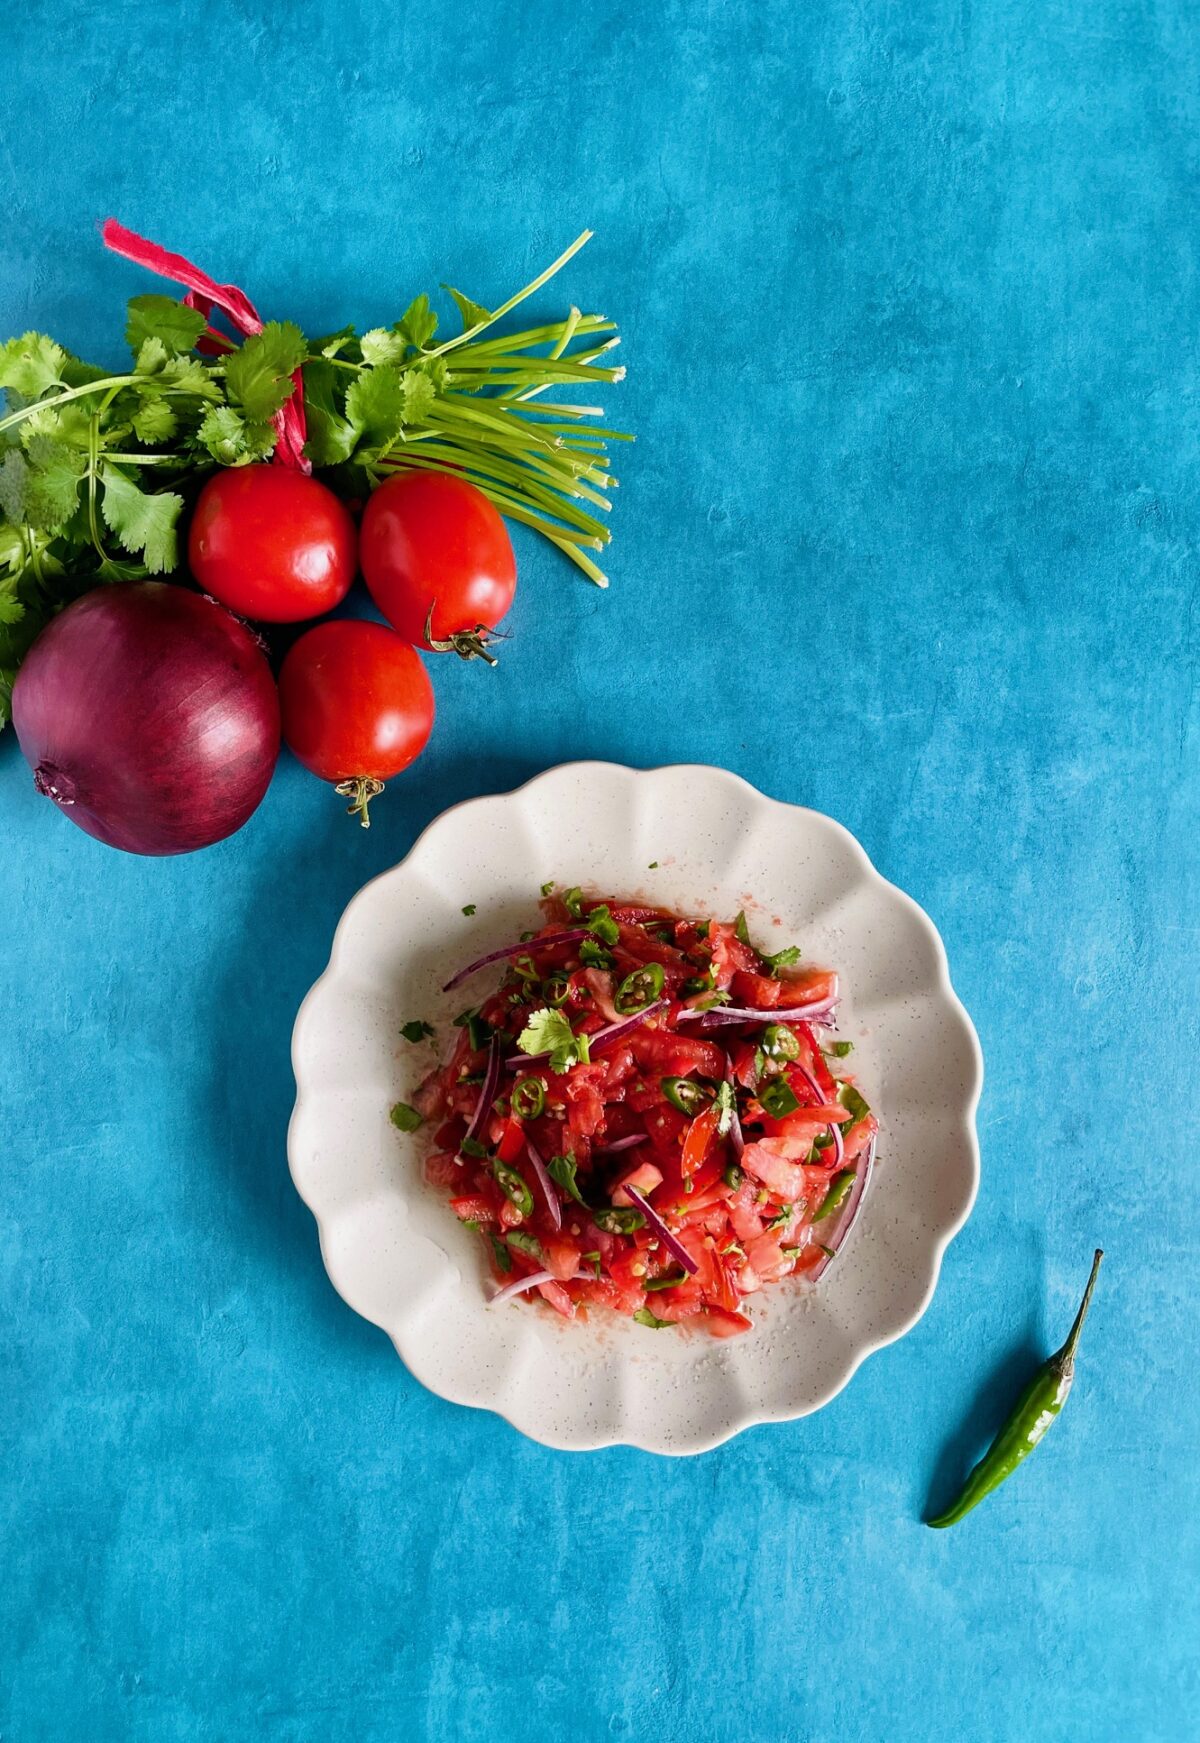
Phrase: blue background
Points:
(911, 303)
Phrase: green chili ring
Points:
(639, 989)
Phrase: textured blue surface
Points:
(911, 303)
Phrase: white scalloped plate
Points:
(389, 1241)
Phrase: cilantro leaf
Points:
(142, 523)
(549, 1032)
(52, 484)
(406, 1118)
(724, 1103)
(258, 376)
(473, 314)
(416, 1031)
(418, 323)
(562, 1170)
(31, 365)
(503, 1256)
(375, 404)
(838, 1049)
(383, 345)
(782, 958)
(592, 956)
(152, 357)
(420, 393)
(645, 1317)
(741, 931)
(166, 319)
(231, 440)
(154, 421)
(331, 436)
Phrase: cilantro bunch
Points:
(96, 468)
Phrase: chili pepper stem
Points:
(1065, 1358)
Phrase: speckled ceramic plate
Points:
(390, 1243)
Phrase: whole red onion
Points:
(150, 716)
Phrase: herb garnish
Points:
(416, 1031)
(405, 1117)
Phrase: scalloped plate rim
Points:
(698, 1443)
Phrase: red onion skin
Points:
(149, 715)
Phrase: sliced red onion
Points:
(619, 1144)
(655, 1222)
(849, 1214)
(546, 1184)
(618, 1031)
(571, 936)
(834, 1128)
(533, 1281)
(601, 1037)
(487, 1091)
(735, 1125)
(722, 1014)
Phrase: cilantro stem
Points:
(535, 285)
(70, 393)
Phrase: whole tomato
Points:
(272, 544)
(438, 561)
(357, 706)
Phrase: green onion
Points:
(639, 989)
(529, 1098)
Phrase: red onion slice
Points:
(660, 1228)
(546, 1184)
(571, 936)
(533, 1281)
(849, 1213)
(834, 1127)
(620, 1144)
(487, 1092)
(722, 1014)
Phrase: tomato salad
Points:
(643, 1115)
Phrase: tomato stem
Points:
(468, 644)
(360, 791)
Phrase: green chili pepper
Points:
(1031, 1416)
(639, 989)
(616, 1221)
(733, 1175)
(513, 1187)
(525, 1243)
(555, 989)
(671, 1281)
(529, 1098)
(685, 1095)
(779, 1043)
(839, 1192)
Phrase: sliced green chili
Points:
(686, 1095)
(779, 1043)
(616, 1221)
(1031, 1416)
(839, 1192)
(733, 1176)
(529, 1098)
(408, 1119)
(513, 1187)
(639, 989)
(669, 1282)
(525, 1244)
(556, 989)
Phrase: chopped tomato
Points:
(743, 1228)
